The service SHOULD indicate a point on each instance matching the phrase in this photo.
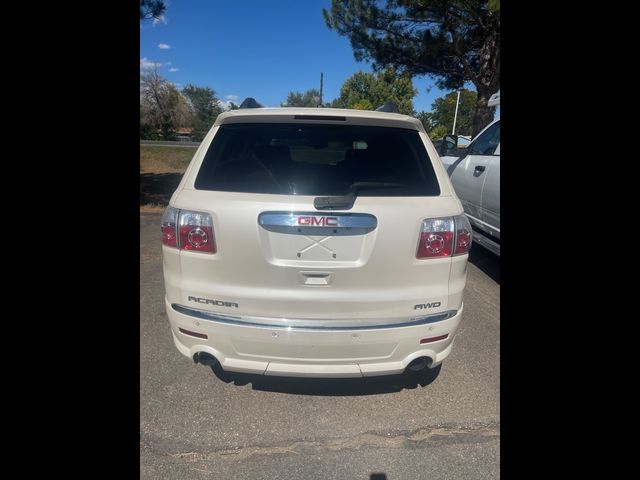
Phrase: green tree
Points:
(443, 110)
(437, 132)
(233, 106)
(452, 41)
(162, 108)
(368, 91)
(425, 118)
(152, 9)
(363, 104)
(148, 132)
(205, 107)
(310, 98)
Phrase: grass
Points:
(161, 159)
(152, 208)
(161, 169)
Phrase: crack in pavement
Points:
(421, 438)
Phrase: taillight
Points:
(436, 238)
(444, 237)
(463, 235)
(188, 230)
(196, 232)
(169, 227)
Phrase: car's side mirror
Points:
(448, 145)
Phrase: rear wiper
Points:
(345, 202)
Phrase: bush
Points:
(147, 132)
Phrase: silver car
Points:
(475, 176)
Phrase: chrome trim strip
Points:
(313, 324)
(337, 223)
(482, 223)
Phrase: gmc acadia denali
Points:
(315, 242)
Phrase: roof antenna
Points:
(390, 107)
(250, 102)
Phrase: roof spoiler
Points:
(390, 107)
(250, 102)
(494, 100)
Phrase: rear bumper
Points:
(295, 348)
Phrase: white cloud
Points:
(164, 46)
(226, 104)
(146, 64)
(173, 69)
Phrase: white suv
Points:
(315, 243)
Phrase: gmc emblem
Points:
(318, 221)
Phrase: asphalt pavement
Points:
(194, 424)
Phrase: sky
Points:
(255, 48)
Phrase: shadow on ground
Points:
(485, 261)
(157, 188)
(331, 386)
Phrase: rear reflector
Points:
(434, 339)
(193, 334)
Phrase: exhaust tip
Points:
(419, 364)
(205, 358)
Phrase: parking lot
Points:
(195, 425)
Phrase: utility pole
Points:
(320, 88)
(455, 117)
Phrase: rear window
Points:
(302, 159)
